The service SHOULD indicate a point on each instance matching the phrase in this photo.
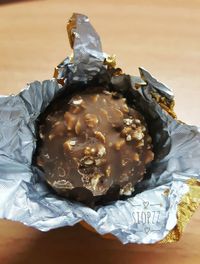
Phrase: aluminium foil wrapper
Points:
(162, 203)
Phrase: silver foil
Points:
(150, 214)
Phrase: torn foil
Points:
(147, 217)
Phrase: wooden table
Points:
(162, 36)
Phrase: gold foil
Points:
(186, 208)
(71, 25)
(110, 61)
(165, 104)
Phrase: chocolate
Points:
(93, 145)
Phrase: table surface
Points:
(163, 37)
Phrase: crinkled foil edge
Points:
(186, 208)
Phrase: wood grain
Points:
(162, 36)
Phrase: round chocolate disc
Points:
(94, 142)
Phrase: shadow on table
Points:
(4, 2)
(76, 245)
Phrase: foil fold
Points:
(171, 188)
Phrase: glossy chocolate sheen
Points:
(93, 145)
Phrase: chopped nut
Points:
(77, 102)
(98, 162)
(51, 136)
(137, 121)
(93, 150)
(72, 142)
(136, 156)
(91, 120)
(149, 156)
(125, 108)
(143, 128)
(70, 120)
(138, 134)
(124, 162)
(125, 131)
(95, 181)
(87, 151)
(88, 161)
(41, 135)
(128, 121)
(67, 146)
(63, 184)
(78, 127)
(119, 144)
(127, 189)
(101, 151)
(100, 136)
(128, 138)
(108, 171)
(140, 143)
(106, 92)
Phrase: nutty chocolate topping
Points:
(94, 141)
